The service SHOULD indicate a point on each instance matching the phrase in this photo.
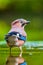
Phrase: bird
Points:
(16, 36)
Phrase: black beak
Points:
(25, 23)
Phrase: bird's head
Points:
(20, 22)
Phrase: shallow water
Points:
(30, 57)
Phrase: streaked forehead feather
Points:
(20, 20)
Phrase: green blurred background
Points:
(28, 9)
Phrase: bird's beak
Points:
(27, 22)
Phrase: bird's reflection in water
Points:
(15, 60)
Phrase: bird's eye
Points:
(21, 21)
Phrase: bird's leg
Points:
(10, 51)
(21, 51)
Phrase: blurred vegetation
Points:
(28, 9)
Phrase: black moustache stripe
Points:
(23, 24)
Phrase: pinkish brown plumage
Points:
(17, 26)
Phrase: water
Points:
(27, 44)
(13, 58)
(29, 57)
